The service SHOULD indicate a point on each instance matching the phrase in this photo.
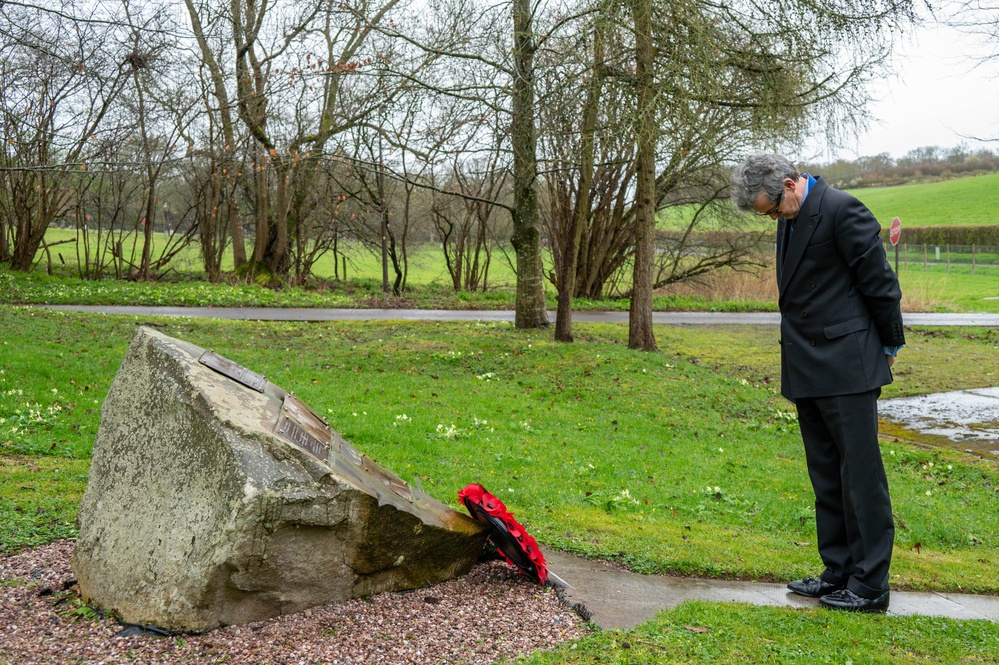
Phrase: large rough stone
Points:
(212, 503)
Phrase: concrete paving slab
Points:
(936, 605)
(779, 596)
(614, 598)
(985, 606)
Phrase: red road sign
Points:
(896, 231)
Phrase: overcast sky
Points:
(938, 98)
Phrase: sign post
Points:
(894, 233)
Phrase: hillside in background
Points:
(959, 202)
(926, 164)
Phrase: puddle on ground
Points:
(967, 420)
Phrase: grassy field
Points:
(661, 461)
(426, 263)
(930, 288)
(685, 461)
(934, 289)
(928, 284)
(39, 288)
(962, 201)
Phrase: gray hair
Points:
(760, 173)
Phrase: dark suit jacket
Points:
(839, 298)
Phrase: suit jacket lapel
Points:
(808, 218)
(782, 227)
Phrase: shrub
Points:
(953, 235)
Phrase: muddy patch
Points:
(964, 419)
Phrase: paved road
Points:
(307, 314)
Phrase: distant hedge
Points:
(716, 238)
(949, 235)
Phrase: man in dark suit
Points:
(841, 326)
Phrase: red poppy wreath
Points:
(511, 539)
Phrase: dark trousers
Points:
(853, 517)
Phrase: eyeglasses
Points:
(776, 209)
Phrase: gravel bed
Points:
(492, 614)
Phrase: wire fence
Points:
(908, 255)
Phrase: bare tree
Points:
(646, 132)
(468, 180)
(483, 49)
(105, 216)
(566, 244)
(60, 77)
(463, 223)
(980, 20)
(724, 79)
(151, 102)
(367, 184)
(298, 79)
(213, 181)
(221, 142)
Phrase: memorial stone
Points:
(216, 497)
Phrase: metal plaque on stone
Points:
(395, 483)
(351, 455)
(234, 371)
(303, 427)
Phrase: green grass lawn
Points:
(730, 634)
(686, 461)
(39, 288)
(966, 201)
(932, 288)
(936, 289)
(961, 201)
(426, 262)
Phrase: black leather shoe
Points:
(844, 599)
(813, 587)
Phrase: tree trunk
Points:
(640, 333)
(531, 310)
(148, 220)
(225, 116)
(570, 252)
(279, 259)
(4, 245)
(261, 207)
